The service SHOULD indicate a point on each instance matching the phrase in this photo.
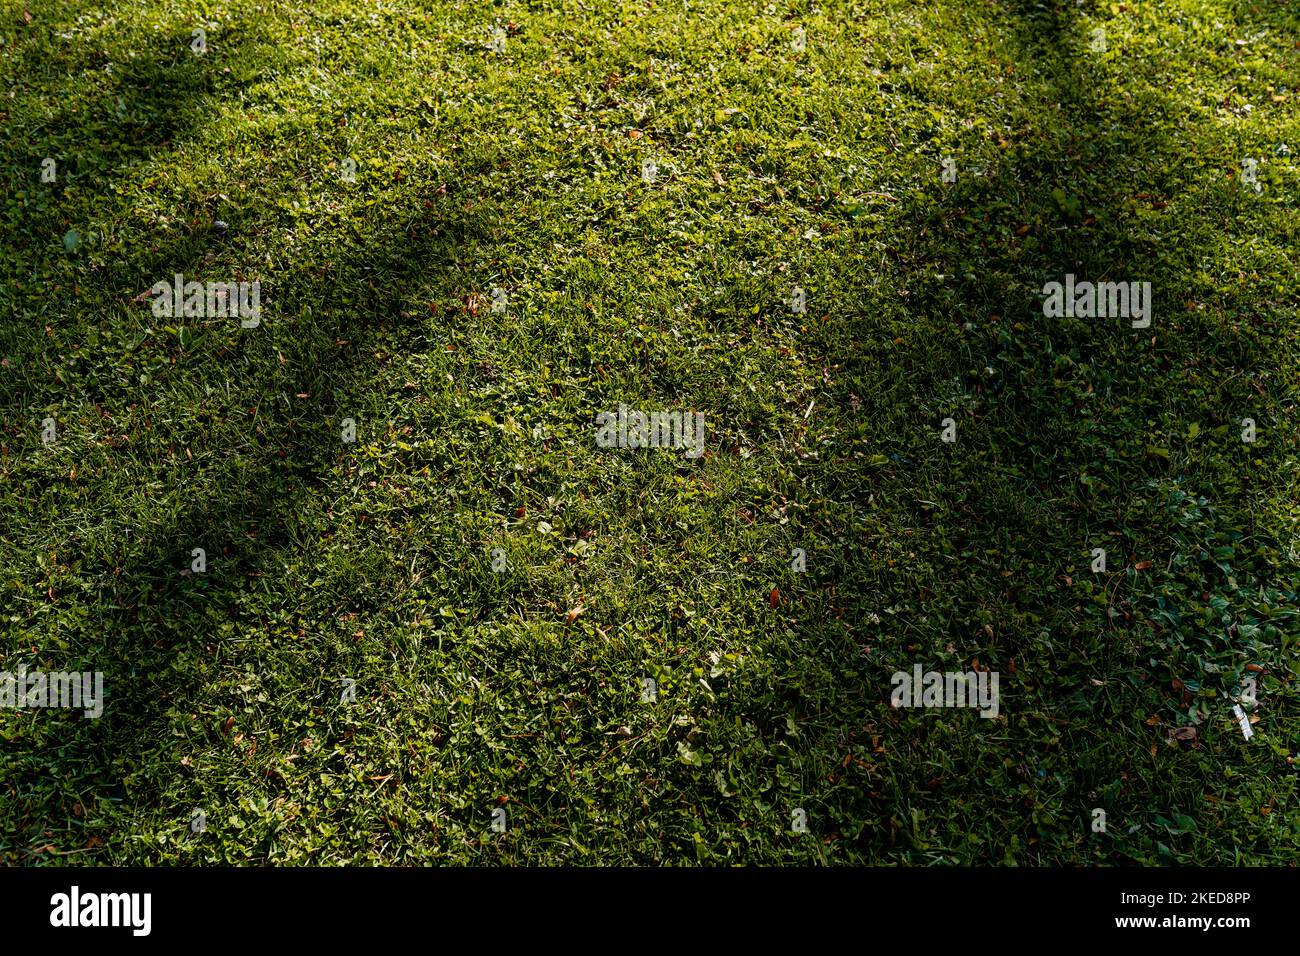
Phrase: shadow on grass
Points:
(1063, 444)
(121, 598)
(1051, 458)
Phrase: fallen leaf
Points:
(774, 598)
(574, 614)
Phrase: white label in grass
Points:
(798, 301)
(1242, 719)
(1248, 178)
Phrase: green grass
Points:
(522, 169)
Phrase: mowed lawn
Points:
(647, 184)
